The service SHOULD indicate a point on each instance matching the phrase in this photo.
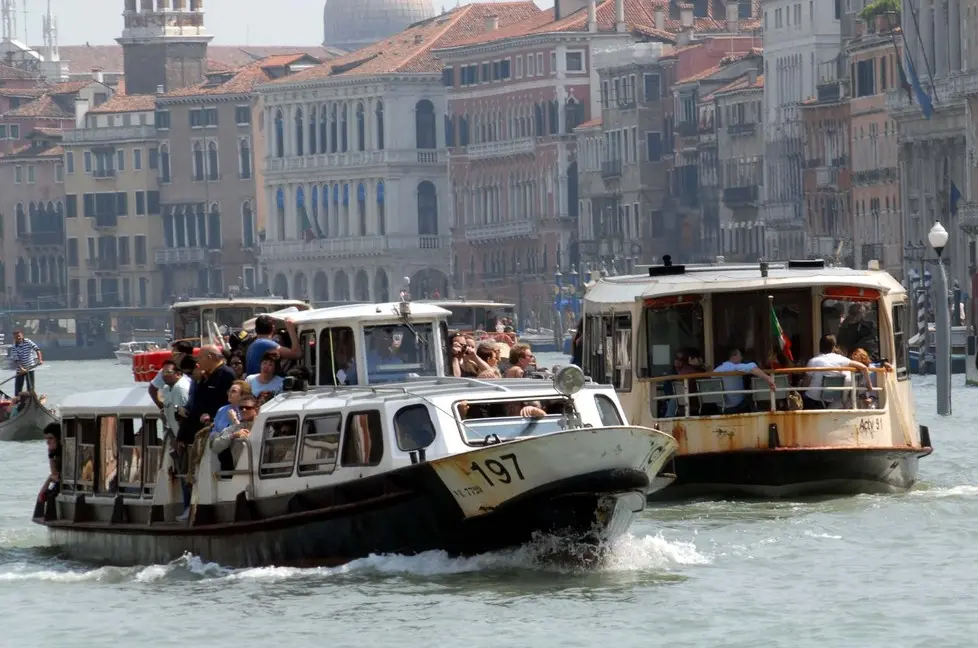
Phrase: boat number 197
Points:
(498, 469)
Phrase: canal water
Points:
(861, 571)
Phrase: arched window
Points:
(198, 162)
(21, 220)
(424, 124)
(325, 220)
(312, 131)
(427, 209)
(381, 210)
(32, 217)
(323, 126)
(247, 225)
(344, 130)
(362, 209)
(212, 170)
(300, 208)
(361, 128)
(379, 110)
(244, 154)
(164, 162)
(298, 132)
(168, 241)
(279, 135)
(314, 200)
(214, 228)
(280, 214)
(332, 129)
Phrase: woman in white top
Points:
(829, 356)
(266, 380)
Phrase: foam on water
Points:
(629, 554)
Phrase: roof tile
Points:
(124, 104)
(243, 79)
(45, 107)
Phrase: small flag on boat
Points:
(780, 339)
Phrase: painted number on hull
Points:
(870, 425)
(498, 469)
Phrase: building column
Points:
(955, 39)
(910, 43)
(942, 44)
(926, 20)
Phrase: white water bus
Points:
(336, 473)
(861, 442)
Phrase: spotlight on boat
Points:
(569, 380)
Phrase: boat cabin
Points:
(192, 318)
(471, 316)
(393, 341)
(308, 445)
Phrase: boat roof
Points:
(275, 302)
(368, 312)
(717, 278)
(124, 401)
(415, 389)
(475, 303)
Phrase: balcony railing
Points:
(55, 237)
(180, 256)
(104, 263)
(115, 133)
(356, 159)
(740, 130)
(740, 195)
(106, 221)
(500, 231)
(611, 168)
(352, 246)
(827, 177)
(521, 146)
(39, 290)
(872, 251)
(688, 129)
(874, 176)
(101, 174)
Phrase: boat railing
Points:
(220, 475)
(673, 398)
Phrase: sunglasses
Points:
(247, 408)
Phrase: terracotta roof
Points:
(69, 87)
(411, 50)
(727, 60)
(244, 79)
(23, 93)
(10, 73)
(81, 59)
(124, 104)
(27, 150)
(45, 107)
(639, 18)
(46, 132)
(594, 123)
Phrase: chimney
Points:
(620, 16)
(81, 109)
(733, 16)
(418, 38)
(97, 75)
(492, 22)
(660, 17)
(686, 15)
(592, 16)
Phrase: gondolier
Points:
(26, 356)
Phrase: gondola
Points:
(29, 424)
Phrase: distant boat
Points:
(127, 349)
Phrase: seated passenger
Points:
(221, 443)
(230, 414)
(267, 380)
(735, 403)
(867, 399)
(828, 356)
(520, 360)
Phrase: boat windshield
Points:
(854, 323)
(511, 427)
(477, 318)
(507, 420)
(398, 351)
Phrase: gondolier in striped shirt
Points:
(27, 356)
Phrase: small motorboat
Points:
(127, 350)
(29, 423)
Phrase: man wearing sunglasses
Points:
(223, 442)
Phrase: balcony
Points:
(871, 251)
(742, 130)
(968, 217)
(611, 168)
(104, 264)
(521, 146)
(827, 177)
(40, 290)
(329, 161)
(874, 176)
(103, 174)
(105, 221)
(357, 246)
(744, 195)
(181, 256)
(113, 134)
(55, 237)
(829, 92)
(491, 232)
(688, 129)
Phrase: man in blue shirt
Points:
(736, 403)
(264, 330)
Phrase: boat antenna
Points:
(405, 306)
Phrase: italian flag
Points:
(780, 339)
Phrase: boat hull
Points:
(793, 472)
(124, 357)
(436, 505)
(28, 425)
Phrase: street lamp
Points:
(519, 300)
(575, 304)
(937, 237)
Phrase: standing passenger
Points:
(27, 357)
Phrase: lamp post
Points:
(575, 283)
(937, 237)
(519, 298)
(558, 296)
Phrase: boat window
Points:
(670, 326)
(152, 434)
(278, 448)
(307, 342)
(87, 440)
(622, 340)
(607, 411)
(187, 324)
(69, 453)
(413, 428)
(743, 321)
(363, 442)
(108, 451)
(320, 444)
(900, 341)
(484, 421)
(131, 455)
(235, 317)
(398, 351)
(337, 353)
(598, 350)
(854, 323)
(461, 318)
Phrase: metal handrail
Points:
(853, 388)
(249, 451)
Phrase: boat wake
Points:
(628, 555)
